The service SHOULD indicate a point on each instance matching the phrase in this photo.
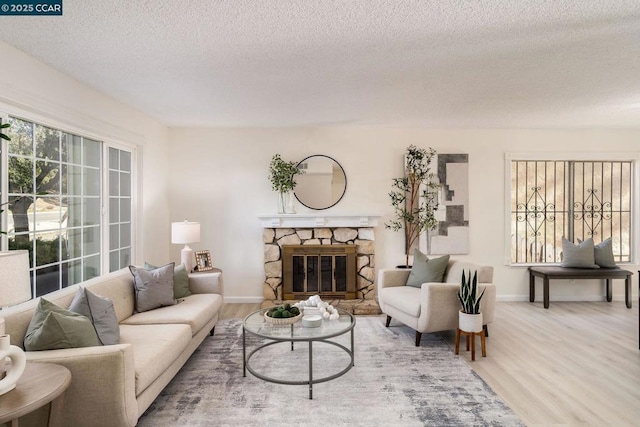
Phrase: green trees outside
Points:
(33, 169)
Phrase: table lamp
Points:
(184, 233)
(14, 275)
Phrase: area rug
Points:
(392, 383)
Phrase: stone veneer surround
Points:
(362, 237)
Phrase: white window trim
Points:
(584, 156)
(111, 137)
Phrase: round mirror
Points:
(323, 183)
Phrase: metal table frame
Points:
(324, 338)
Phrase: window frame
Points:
(632, 157)
(102, 133)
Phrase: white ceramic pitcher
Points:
(18, 363)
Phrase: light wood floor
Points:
(576, 363)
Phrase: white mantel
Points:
(319, 220)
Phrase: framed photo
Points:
(203, 261)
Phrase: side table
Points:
(40, 384)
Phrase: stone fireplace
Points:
(354, 231)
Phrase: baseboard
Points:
(506, 298)
(561, 298)
(243, 300)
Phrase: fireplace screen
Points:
(319, 269)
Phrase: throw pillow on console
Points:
(153, 288)
(54, 327)
(180, 280)
(100, 311)
(425, 270)
(578, 256)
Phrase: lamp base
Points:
(186, 258)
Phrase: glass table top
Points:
(256, 325)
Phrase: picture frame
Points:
(203, 261)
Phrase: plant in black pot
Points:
(414, 197)
(470, 317)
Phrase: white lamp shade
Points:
(185, 232)
(14, 275)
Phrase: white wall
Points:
(219, 177)
(34, 90)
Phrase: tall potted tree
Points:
(282, 177)
(414, 197)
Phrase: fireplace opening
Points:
(325, 270)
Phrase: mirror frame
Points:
(343, 191)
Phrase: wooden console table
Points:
(40, 384)
(565, 273)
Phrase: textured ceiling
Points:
(448, 64)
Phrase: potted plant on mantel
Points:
(281, 175)
(414, 197)
(469, 317)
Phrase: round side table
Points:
(40, 384)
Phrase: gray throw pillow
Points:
(425, 270)
(54, 327)
(100, 311)
(180, 280)
(153, 288)
(603, 254)
(578, 256)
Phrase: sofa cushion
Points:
(425, 270)
(100, 311)
(54, 327)
(180, 280)
(581, 255)
(155, 348)
(194, 310)
(153, 288)
(403, 298)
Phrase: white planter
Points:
(469, 322)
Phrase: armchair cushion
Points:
(425, 270)
(404, 298)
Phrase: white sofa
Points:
(113, 385)
(434, 306)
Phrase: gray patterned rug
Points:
(392, 383)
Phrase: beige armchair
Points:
(434, 306)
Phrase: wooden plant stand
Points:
(473, 342)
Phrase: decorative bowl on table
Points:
(282, 315)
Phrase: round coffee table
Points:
(255, 324)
